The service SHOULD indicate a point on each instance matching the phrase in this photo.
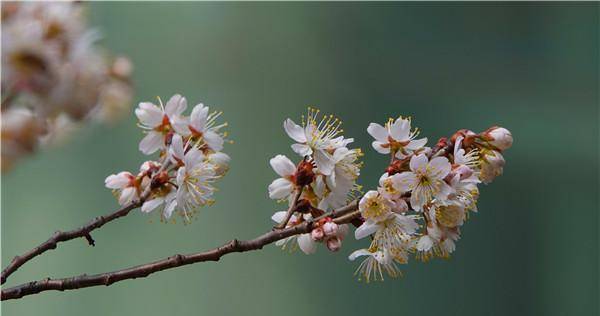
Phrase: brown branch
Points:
(82, 232)
(171, 262)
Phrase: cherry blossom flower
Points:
(425, 181)
(318, 138)
(125, 184)
(158, 121)
(377, 262)
(281, 188)
(396, 137)
(202, 127)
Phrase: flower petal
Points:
(405, 181)
(294, 131)
(359, 253)
(378, 132)
(213, 140)
(418, 163)
(149, 114)
(302, 149)
(151, 142)
(280, 188)
(400, 130)
(150, 205)
(438, 168)
(367, 228)
(283, 166)
(324, 161)
(380, 148)
(416, 144)
(306, 244)
(198, 117)
(175, 106)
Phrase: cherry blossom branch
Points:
(341, 215)
(60, 236)
(81, 232)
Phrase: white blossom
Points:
(395, 137)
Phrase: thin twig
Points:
(291, 209)
(81, 232)
(144, 270)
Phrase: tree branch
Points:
(342, 215)
(82, 232)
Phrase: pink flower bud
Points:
(330, 229)
(500, 137)
(334, 244)
(317, 234)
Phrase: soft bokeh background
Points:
(532, 249)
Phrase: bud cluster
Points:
(54, 76)
(190, 159)
(422, 200)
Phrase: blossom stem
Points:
(291, 209)
(76, 282)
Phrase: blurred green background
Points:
(532, 249)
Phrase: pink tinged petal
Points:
(176, 148)
(443, 190)
(151, 143)
(283, 166)
(359, 253)
(213, 140)
(400, 130)
(324, 162)
(127, 195)
(416, 144)
(149, 114)
(378, 132)
(180, 125)
(367, 228)
(198, 117)
(405, 181)
(408, 224)
(301, 149)
(306, 244)
(280, 189)
(418, 163)
(418, 198)
(294, 131)
(193, 157)
(118, 181)
(175, 106)
(379, 147)
(150, 205)
(438, 168)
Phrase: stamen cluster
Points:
(54, 76)
(190, 159)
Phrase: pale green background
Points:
(532, 249)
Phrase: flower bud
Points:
(499, 137)
(220, 161)
(317, 234)
(492, 165)
(122, 67)
(334, 244)
(330, 229)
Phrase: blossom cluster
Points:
(422, 199)
(54, 76)
(323, 179)
(190, 159)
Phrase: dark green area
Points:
(532, 249)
